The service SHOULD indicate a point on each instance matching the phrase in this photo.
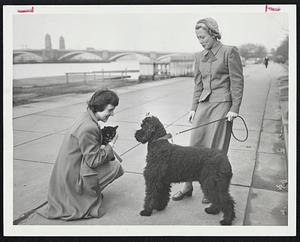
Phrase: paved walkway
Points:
(259, 164)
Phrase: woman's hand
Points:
(231, 115)
(191, 116)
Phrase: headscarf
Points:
(211, 24)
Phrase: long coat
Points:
(74, 191)
(219, 84)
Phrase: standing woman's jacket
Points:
(218, 77)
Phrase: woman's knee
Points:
(120, 172)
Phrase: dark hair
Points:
(101, 98)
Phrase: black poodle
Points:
(167, 163)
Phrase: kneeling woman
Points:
(84, 167)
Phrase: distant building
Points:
(62, 43)
(48, 44)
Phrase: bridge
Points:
(87, 55)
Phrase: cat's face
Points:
(108, 133)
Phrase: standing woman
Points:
(218, 93)
(84, 167)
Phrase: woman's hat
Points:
(211, 24)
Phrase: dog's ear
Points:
(148, 114)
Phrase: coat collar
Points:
(215, 49)
(92, 116)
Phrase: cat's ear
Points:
(116, 126)
(148, 114)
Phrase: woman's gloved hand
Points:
(191, 116)
(114, 140)
(231, 115)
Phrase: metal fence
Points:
(98, 75)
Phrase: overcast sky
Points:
(145, 31)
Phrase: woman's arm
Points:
(198, 88)
(236, 79)
(93, 153)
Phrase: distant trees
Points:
(258, 52)
(252, 51)
(281, 54)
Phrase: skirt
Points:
(216, 135)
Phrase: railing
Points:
(93, 74)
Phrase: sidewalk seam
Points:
(27, 214)
(28, 141)
(35, 161)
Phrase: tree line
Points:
(258, 52)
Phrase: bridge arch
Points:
(166, 57)
(77, 53)
(138, 55)
(26, 56)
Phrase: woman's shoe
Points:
(181, 195)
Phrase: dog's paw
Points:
(212, 210)
(225, 222)
(145, 213)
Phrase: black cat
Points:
(108, 133)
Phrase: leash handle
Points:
(218, 120)
(247, 132)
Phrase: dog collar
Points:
(165, 137)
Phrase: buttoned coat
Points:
(219, 78)
(74, 189)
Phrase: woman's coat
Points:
(74, 190)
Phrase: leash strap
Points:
(218, 120)
(117, 156)
(201, 126)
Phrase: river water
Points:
(21, 71)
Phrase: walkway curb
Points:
(283, 100)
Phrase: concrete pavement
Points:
(259, 164)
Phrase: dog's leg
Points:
(212, 209)
(226, 201)
(162, 197)
(216, 190)
(148, 202)
(227, 207)
(209, 186)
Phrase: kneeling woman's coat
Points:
(82, 169)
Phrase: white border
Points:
(161, 230)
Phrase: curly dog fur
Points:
(168, 163)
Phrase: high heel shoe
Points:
(181, 195)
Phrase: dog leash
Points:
(218, 120)
(117, 156)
